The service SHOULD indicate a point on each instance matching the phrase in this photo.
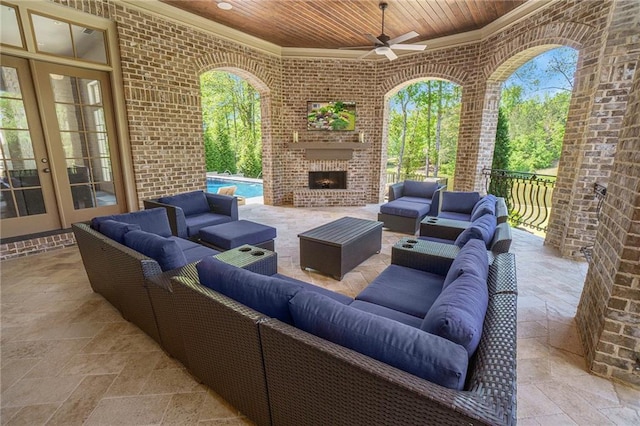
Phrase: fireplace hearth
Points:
(328, 180)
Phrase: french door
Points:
(60, 161)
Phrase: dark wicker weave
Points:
(439, 227)
(125, 271)
(223, 346)
(251, 258)
(314, 382)
(337, 247)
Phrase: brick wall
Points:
(608, 315)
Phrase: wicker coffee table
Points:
(337, 247)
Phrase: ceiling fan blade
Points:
(404, 37)
(408, 46)
(390, 55)
(366, 54)
(373, 39)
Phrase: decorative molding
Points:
(328, 150)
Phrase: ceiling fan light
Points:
(382, 50)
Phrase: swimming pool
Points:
(247, 188)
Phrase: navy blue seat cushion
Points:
(382, 311)
(486, 205)
(163, 250)
(414, 188)
(198, 221)
(415, 200)
(116, 230)
(472, 258)
(236, 233)
(405, 208)
(192, 251)
(267, 294)
(406, 348)
(154, 220)
(191, 203)
(458, 313)
(482, 228)
(459, 202)
(403, 289)
(455, 216)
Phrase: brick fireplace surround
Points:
(161, 59)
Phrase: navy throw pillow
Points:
(265, 294)
(414, 188)
(485, 206)
(117, 230)
(163, 250)
(399, 345)
(153, 220)
(458, 313)
(191, 203)
(471, 233)
(472, 258)
(459, 202)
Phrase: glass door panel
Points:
(27, 202)
(83, 139)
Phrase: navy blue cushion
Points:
(407, 348)
(472, 258)
(458, 313)
(486, 224)
(415, 200)
(383, 311)
(116, 230)
(191, 203)
(471, 233)
(311, 287)
(403, 289)
(154, 220)
(455, 216)
(265, 294)
(459, 202)
(414, 188)
(486, 205)
(405, 208)
(193, 251)
(236, 233)
(198, 221)
(163, 250)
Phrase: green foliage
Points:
(423, 128)
(232, 124)
(502, 149)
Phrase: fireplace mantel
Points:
(328, 150)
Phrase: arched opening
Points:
(232, 110)
(422, 126)
(536, 92)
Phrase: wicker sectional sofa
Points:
(276, 373)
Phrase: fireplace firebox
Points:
(328, 180)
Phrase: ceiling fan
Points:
(384, 45)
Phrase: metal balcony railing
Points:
(528, 195)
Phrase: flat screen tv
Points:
(336, 115)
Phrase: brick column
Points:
(601, 88)
(608, 315)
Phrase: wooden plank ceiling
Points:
(330, 24)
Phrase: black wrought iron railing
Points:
(600, 192)
(528, 195)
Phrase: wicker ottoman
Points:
(226, 236)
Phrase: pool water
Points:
(245, 189)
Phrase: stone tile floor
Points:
(68, 357)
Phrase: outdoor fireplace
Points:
(328, 180)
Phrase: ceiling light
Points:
(382, 50)
(224, 5)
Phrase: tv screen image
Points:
(336, 115)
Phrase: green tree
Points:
(501, 187)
